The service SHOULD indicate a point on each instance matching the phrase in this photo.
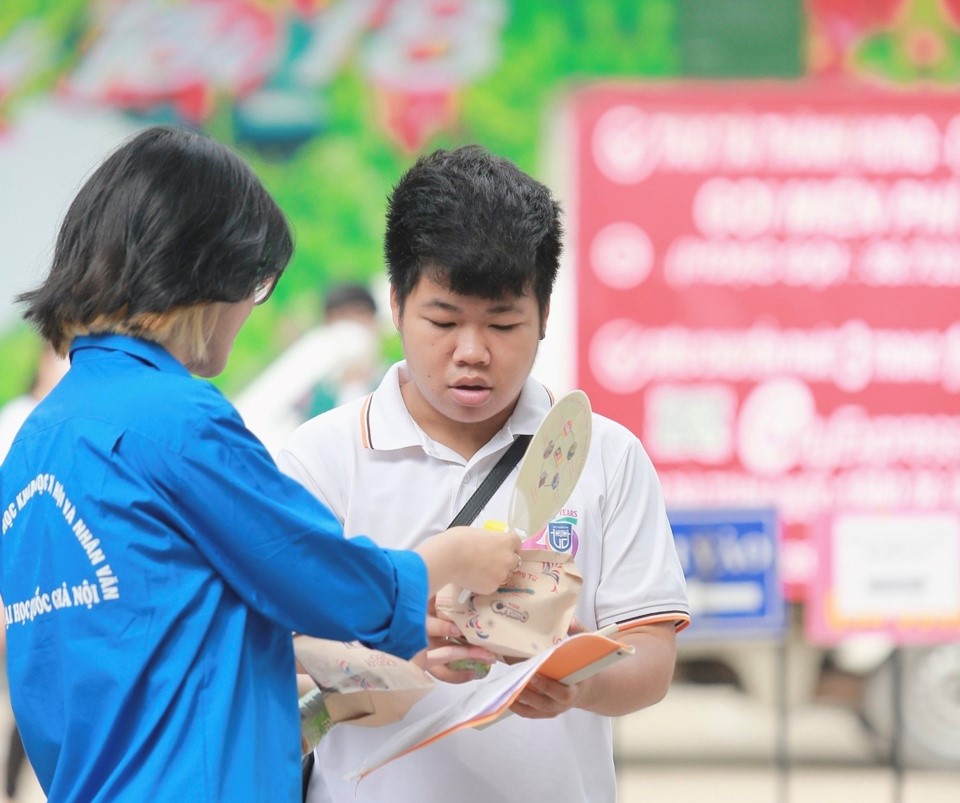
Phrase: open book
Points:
(485, 702)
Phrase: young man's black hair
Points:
(473, 222)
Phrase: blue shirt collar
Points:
(145, 350)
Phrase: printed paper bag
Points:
(529, 614)
(358, 685)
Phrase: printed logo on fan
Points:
(560, 535)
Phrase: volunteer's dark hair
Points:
(475, 223)
(170, 220)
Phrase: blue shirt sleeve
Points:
(282, 551)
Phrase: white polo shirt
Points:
(384, 477)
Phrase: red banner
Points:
(769, 293)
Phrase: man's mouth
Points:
(470, 394)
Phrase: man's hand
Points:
(544, 698)
(442, 650)
(637, 681)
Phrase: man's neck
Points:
(465, 439)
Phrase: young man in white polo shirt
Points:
(473, 246)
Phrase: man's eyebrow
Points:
(445, 306)
(495, 309)
(503, 306)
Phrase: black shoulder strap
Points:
(306, 768)
(491, 482)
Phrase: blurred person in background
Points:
(154, 560)
(352, 303)
(332, 363)
(472, 247)
(50, 369)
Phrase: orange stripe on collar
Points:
(365, 423)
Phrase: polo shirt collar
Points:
(389, 425)
(147, 351)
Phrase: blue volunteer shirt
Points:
(154, 564)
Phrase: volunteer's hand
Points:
(473, 558)
(441, 652)
(305, 684)
(544, 698)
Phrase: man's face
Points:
(468, 357)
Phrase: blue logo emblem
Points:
(560, 536)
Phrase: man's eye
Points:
(442, 324)
(504, 327)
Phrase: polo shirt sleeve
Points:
(641, 579)
(283, 552)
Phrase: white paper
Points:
(480, 699)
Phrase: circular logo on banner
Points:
(623, 146)
(621, 255)
(774, 420)
(616, 358)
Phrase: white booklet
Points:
(485, 702)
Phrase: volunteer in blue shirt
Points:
(154, 560)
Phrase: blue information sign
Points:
(730, 560)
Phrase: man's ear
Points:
(395, 312)
(543, 321)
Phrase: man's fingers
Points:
(544, 698)
(448, 675)
(458, 652)
(441, 628)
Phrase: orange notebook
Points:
(485, 702)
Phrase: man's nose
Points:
(472, 348)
